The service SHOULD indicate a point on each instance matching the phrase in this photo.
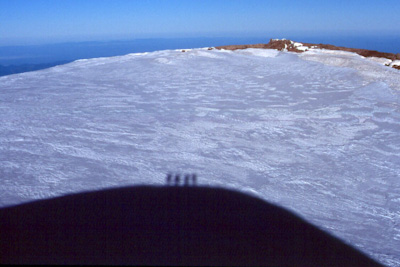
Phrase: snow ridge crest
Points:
(387, 59)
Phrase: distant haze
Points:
(50, 53)
(48, 21)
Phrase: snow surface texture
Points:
(318, 132)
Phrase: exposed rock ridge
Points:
(393, 60)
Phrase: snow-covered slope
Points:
(386, 59)
(317, 132)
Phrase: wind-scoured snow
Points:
(317, 132)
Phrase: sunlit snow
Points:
(318, 132)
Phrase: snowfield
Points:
(317, 132)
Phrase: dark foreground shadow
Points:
(147, 225)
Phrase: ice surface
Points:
(318, 133)
(367, 68)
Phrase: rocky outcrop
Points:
(281, 45)
(361, 52)
(291, 46)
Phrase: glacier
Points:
(317, 132)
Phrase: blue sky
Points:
(46, 21)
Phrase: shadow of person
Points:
(148, 225)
